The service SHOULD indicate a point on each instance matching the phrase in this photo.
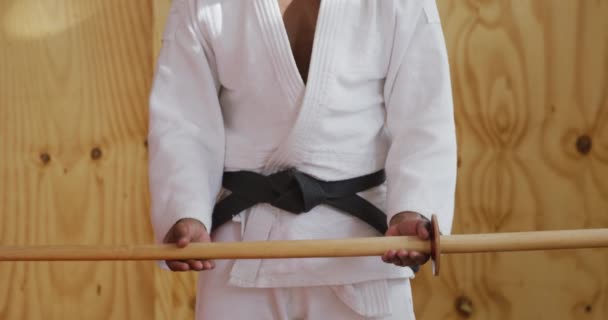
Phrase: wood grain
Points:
(530, 81)
(317, 248)
(161, 11)
(73, 90)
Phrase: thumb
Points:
(182, 234)
(403, 228)
(423, 229)
(392, 231)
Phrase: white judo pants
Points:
(216, 299)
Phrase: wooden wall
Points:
(531, 87)
(530, 79)
(74, 82)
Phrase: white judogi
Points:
(380, 299)
(228, 96)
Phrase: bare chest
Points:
(300, 19)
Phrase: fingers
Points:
(392, 231)
(423, 230)
(179, 234)
(411, 227)
(182, 234)
(187, 231)
(403, 258)
(407, 227)
(195, 265)
(419, 258)
(389, 256)
(191, 265)
(414, 226)
(178, 266)
(208, 265)
(201, 265)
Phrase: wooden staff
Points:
(473, 243)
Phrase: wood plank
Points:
(530, 81)
(73, 91)
(161, 11)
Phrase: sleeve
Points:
(186, 129)
(422, 159)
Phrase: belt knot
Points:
(297, 192)
(289, 190)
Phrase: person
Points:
(301, 119)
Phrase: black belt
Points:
(297, 192)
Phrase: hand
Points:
(182, 234)
(407, 224)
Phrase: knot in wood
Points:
(584, 144)
(96, 153)
(464, 306)
(45, 158)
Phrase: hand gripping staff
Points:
(377, 246)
